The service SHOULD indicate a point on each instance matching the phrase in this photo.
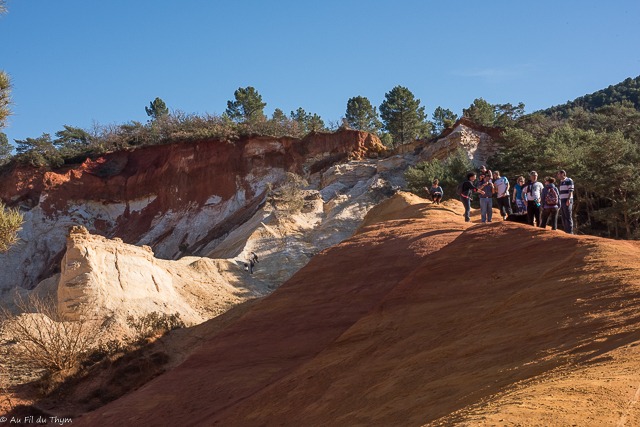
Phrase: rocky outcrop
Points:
(107, 278)
(478, 141)
(334, 207)
(175, 198)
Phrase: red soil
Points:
(422, 319)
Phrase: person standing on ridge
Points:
(518, 199)
(550, 199)
(467, 188)
(533, 192)
(486, 190)
(566, 201)
(501, 184)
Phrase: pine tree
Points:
(507, 114)
(247, 107)
(156, 109)
(402, 115)
(315, 123)
(278, 116)
(38, 152)
(72, 141)
(480, 112)
(5, 149)
(5, 98)
(307, 122)
(361, 115)
(442, 118)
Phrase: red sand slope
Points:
(422, 319)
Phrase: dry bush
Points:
(154, 324)
(10, 223)
(43, 339)
(288, 198)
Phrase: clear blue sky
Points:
(77, 62)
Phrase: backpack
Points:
(551, 198)
(459, 189)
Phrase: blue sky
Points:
(80, 62)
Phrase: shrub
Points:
(449, 172)
(43, 339)
(288, 198)
(10, 223)
(153, 324)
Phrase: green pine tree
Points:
(361, 115)
(5, 98)
(247, 106)
(480, 112)
(442, 118)
(5, 149)
(157, 109)
(38, 152)
(402, 115)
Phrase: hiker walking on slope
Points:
(467, 188)
(551, 199)
(534, 194)
(486, 190)
(566, 201)
(502, 194)
(253, 260)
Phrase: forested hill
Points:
(627, 91)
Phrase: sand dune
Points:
(421, 319)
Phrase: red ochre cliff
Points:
(175, 198)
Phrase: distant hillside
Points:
(628, 90)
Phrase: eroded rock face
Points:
(108, 278)
(333, 210)
(175, 198)
(477, 141)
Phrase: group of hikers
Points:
(540, 202)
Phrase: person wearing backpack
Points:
(551, 199)
(466, 189)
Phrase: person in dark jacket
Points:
(467, 190)
(550, 199)
(436, 192)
